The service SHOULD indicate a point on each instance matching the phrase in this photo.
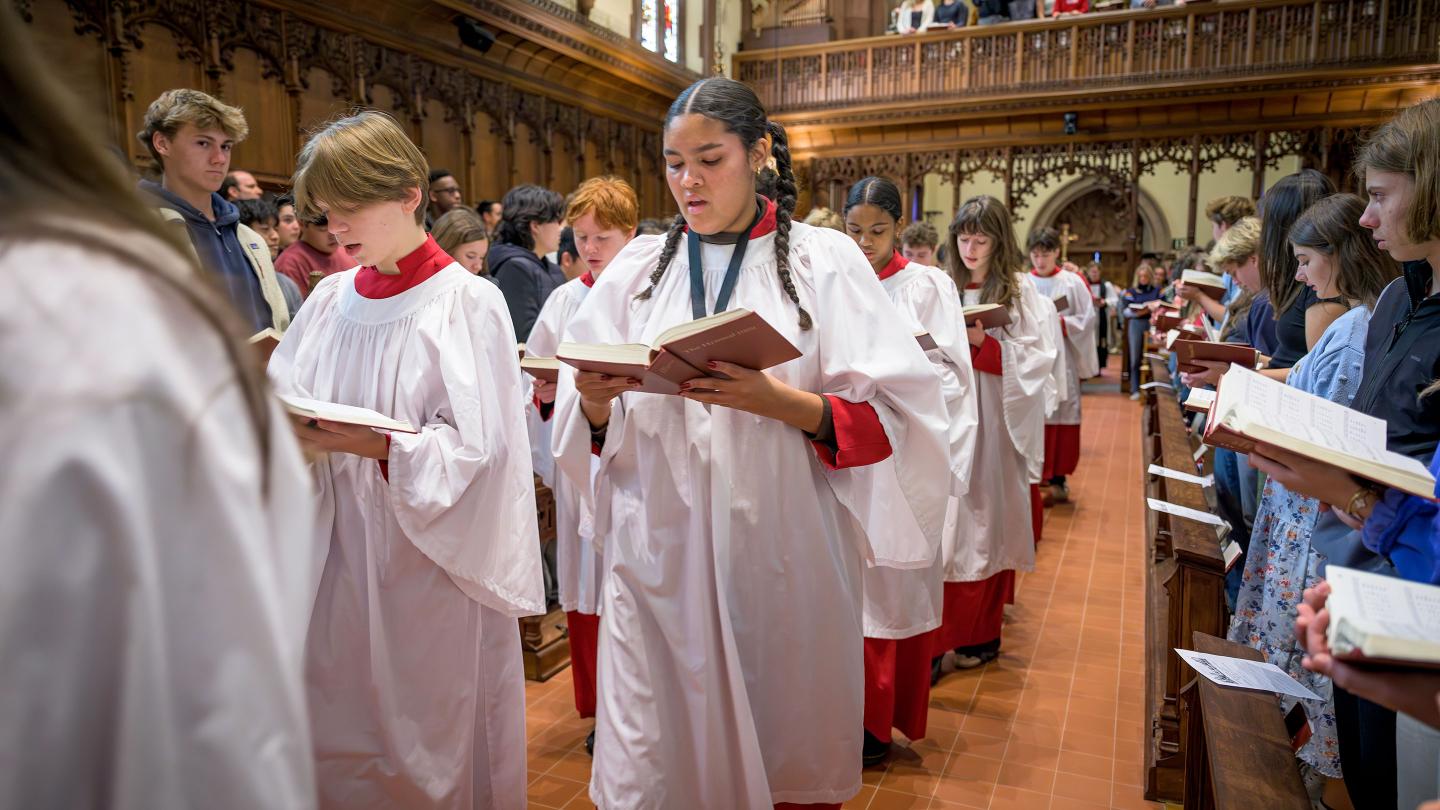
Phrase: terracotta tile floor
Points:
(1056, 722)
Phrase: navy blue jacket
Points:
(526, 280)
(218, 246)
(1402, 358)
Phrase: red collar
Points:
(766, 223)
(895, 265)
(588, 279)
(972, 286)
(1039, 274)
(421, 263)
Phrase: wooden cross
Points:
(1065, 239)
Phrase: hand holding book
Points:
(755, 392)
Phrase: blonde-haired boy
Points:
(429, 539)
(191, 134)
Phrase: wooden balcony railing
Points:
(1193, 42)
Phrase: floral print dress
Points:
(1281, 563)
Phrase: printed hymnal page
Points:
(1202, 480)
(1185, 512)
(1270, 411)
(345, 414)
(1170, 337)
(1243, 674)
(1383, 617)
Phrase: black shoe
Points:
(874, 751)
(590, 743)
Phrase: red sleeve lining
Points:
(385, 462)
(986, 356)
(859, 437)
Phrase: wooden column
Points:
(1132, 253)
(1194, 189)
(1257, 167)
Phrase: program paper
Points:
(1243, 674)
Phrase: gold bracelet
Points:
(1361, 495)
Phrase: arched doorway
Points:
(1096, 215)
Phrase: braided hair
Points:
(735, 105)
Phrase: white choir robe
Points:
(734, 575)
(413, 661)
(994, 532)
(579, 566)
(904, 603)
(1081, 323)
(156, 585)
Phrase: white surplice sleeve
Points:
(1029, 350)
(153, 608)
(935, 304)
(611, 299)
(868, 354)
(462, 488)
(545, 337)
(1081, 325)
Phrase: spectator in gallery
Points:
(490, 211)
(288, 226)
(240, 185)
(991, 12)
(444, 195)
(529, 229)
(951, 14)
(1070, 8)
(914, 16)
(822, 217)
(190, 135)
(315, 255)
(918, 242)
(462, 234)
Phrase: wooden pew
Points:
(544, 640)
(1237, 751)
(1184, 584)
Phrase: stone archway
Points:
(1096, 215)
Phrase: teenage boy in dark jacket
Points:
(529, 229)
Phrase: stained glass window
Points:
(672, 39)
(658, 22)
(648, 15)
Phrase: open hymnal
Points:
(989, 315)
(541, 368)
(344, 414)
(1210, 284)
(683, 352)
(1187, 351)
(1061, 302)
(1167, 319)
(1388, 620)
(265, 342)
(1250, 407)
(1200, 399)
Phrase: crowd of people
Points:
(212, 600)
(1337, 294)
(920, 16)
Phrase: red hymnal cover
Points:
(1188, 351)
(683, 352)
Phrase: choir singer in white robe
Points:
(1079, 325)
(1014, 380)
(743, 511)
(153, 506)
(902, 608)
(428, 541)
